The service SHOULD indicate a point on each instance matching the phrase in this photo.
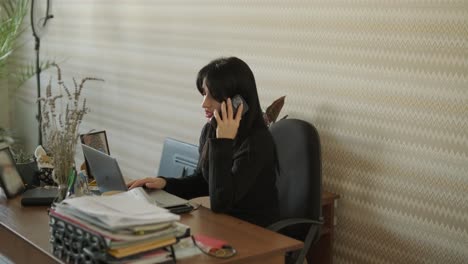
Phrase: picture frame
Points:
(98, 141)
(10, 179)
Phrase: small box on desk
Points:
(39, 196)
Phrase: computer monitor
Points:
(178, 159)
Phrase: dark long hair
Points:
(225, 78)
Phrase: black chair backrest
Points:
(300, 176)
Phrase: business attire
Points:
(239, 176)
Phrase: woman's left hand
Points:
(228, 124)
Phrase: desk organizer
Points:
(73, 244)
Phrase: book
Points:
(142, 247)
(115, 240)
(127, 225)
(148, 257)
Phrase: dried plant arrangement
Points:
(61, 117)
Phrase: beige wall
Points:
(4, 104)
(385, 82)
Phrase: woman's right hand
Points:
(228, 123)
(150, 182)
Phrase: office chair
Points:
(178, 159)
(299, 183)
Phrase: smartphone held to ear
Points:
(237, 100)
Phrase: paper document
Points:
(121, 210)
(172, 228)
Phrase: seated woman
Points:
(237, 165)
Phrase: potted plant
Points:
(26, 165)
(12, 13)
(60, 128)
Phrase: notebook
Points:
(108, 177)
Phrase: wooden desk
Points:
(24, 236)
(24, 233)
(322, 251)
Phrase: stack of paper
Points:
(132, 226)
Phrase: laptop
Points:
(108, 177)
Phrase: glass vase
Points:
(63, 176)
(62, 193)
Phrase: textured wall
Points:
(4, 105)
(385, 82)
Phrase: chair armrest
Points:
(311, 237)
(292, 221)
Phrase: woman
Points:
(237, 164)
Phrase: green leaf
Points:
(29, 71)
(12, 13)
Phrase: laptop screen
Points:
(105, 169)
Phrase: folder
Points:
(135, 249)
